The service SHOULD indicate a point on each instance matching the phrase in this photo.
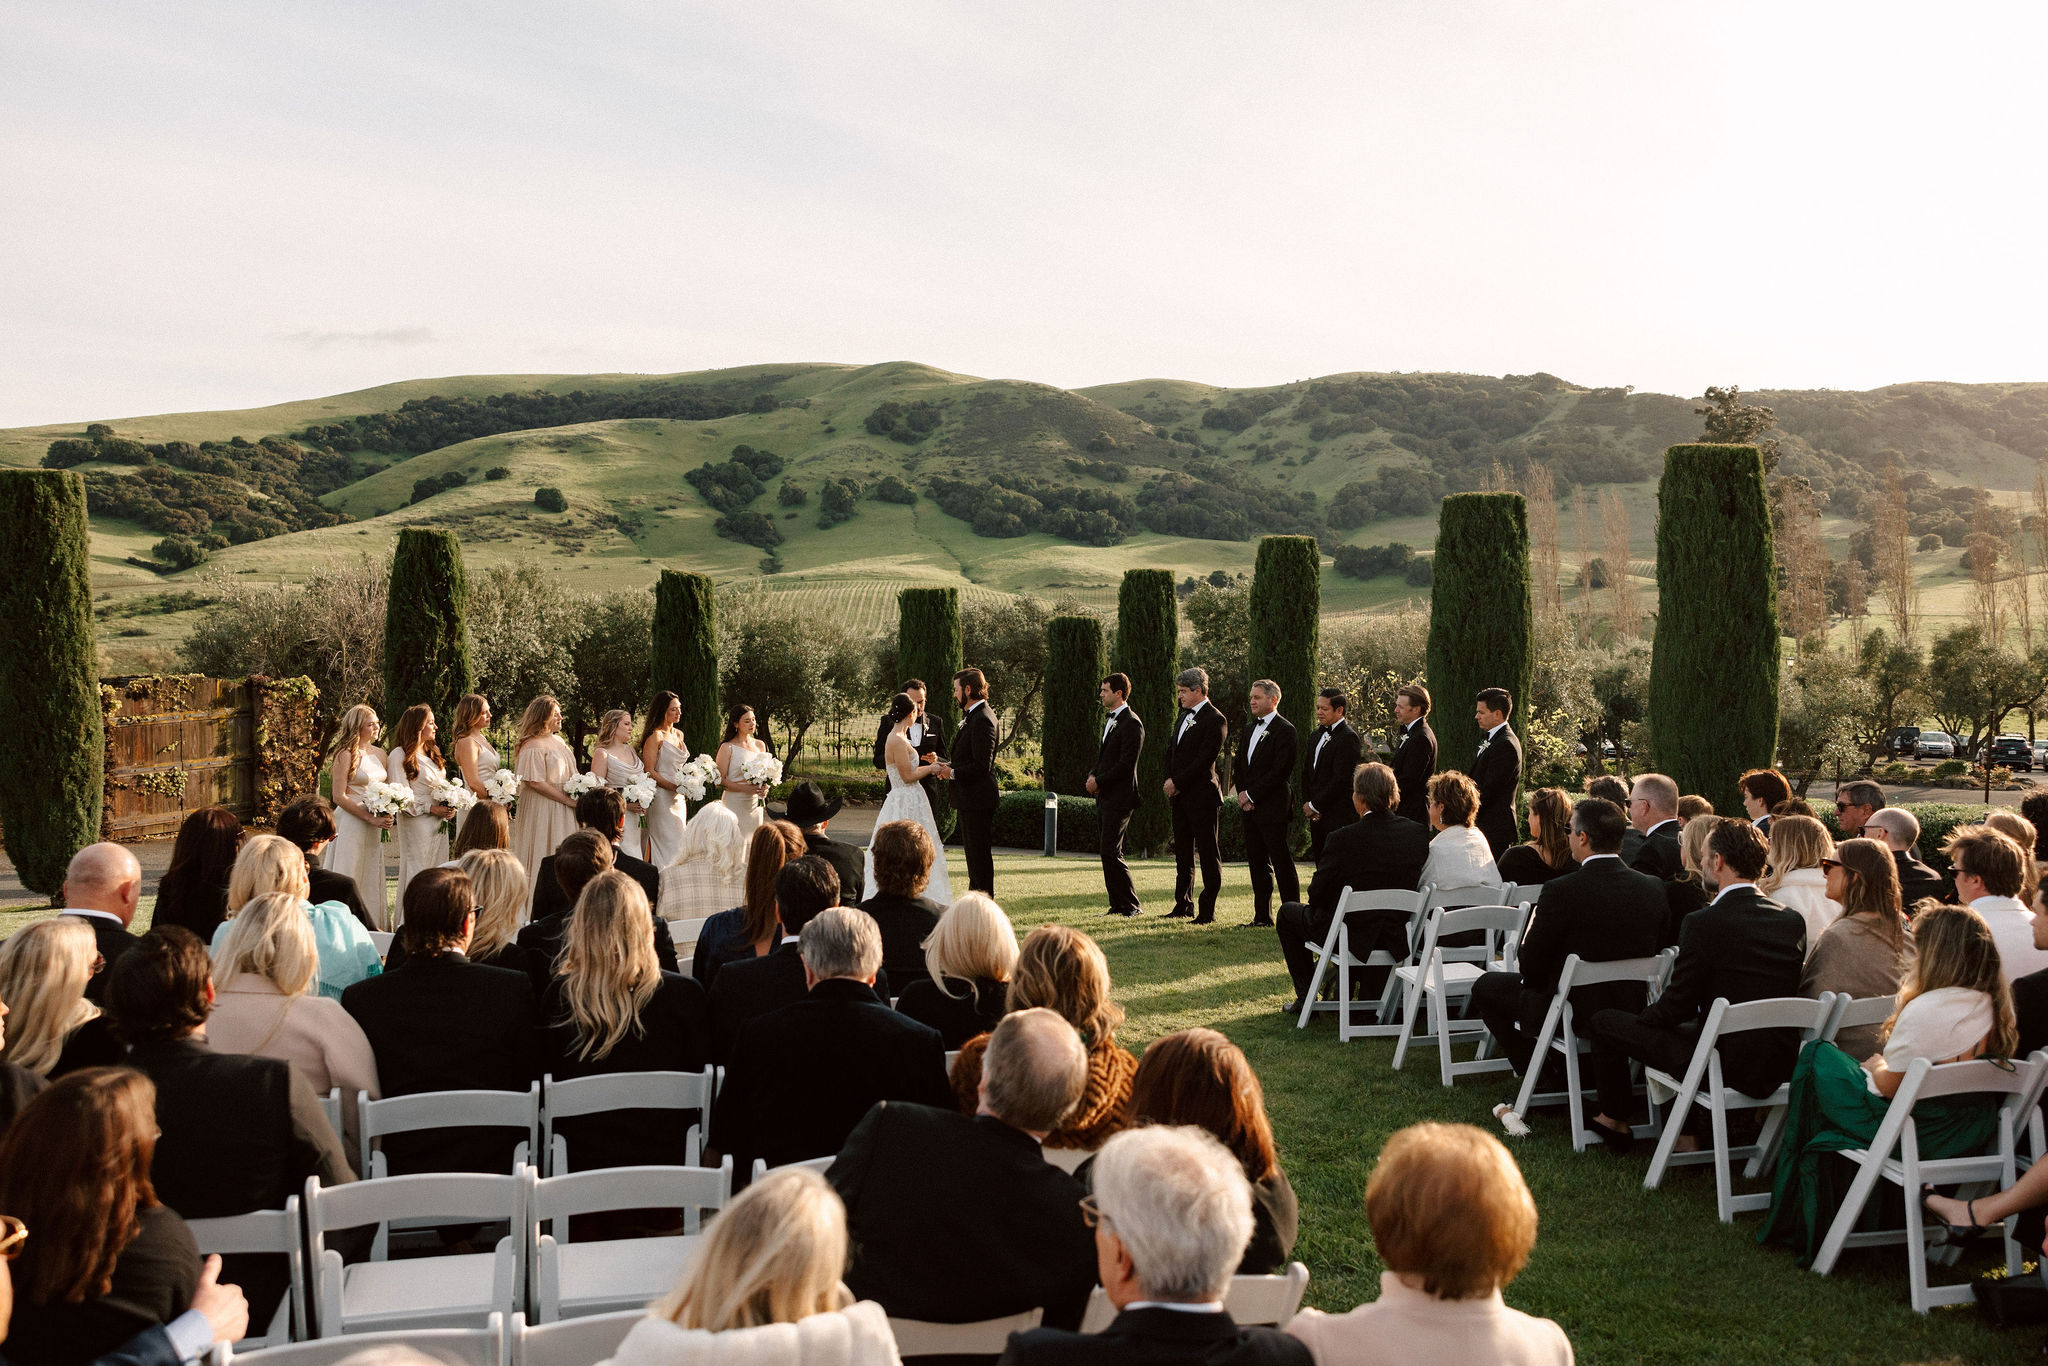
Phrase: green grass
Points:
(1632, 1275)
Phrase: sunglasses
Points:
(13, 1234)
(1841, 806)
(1828, 865)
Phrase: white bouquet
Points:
(763, 768)
(580, 783)
(640, 792)
(389, 799)
(697, 776)
(503, 787)
(454, 794)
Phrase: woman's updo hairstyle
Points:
(901, 706)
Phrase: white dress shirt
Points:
(2012, 929)
(1189, 720)
(1112, 719)
(1251, 742)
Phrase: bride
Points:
(906, 800)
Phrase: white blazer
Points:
(1459, 856)
(857, 1335)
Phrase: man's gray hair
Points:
(1036, 1068)
(841, 942)
(1266, 686)
(1902, 825)
(1861, 794)
(1192, 678)
(1656, 789)
(1182, 1207)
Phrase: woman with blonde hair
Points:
(547, 814)
(766, 1286)
(1868, 951)
(1459, 855)
(615, 763)
(753, 928)
(415, 760)
(262, 975)
(271, 863)
(709, 873)
(475, 760)
(1547, 853)
(1794, 878)
(499, 884)
(971, 957)
(50, 1027)
(1687, 892)
(354, 762)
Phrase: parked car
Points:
(1903, 741)
(1933, 744)
(2014, 752)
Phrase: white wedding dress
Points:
(907, 802)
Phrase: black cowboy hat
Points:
(807, 805)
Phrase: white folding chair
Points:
(988, 1337)
(571, 1342)
(950, 1057)
(264, 1231)
(1559, 1034)
(483, 1346)
(820, 1165)
(1068, 1160)
(455, 1290)
(624, 1091)
(331, 1103)
(381, 941)
(447, 1110)
(1531, 892)
(1335, 952)
(1704, 1087)
(2019, 1083)
(1429, 987)
(572, 1278)
(685, 934)
(1853, 1012)
(1262, 1300)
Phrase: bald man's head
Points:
(1034, 1071)
(103, 877)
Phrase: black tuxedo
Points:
(1377, 852)
(934, 742)
(1497, 769)
(748, 987)
(1159, 1337)
(340, 888)
(846, 861)
(1266, 775)
(955, 1219)
(1414, 764)
(1333, 758)
(112, 940)
(1116, 796)
(1659, 856)
(1191, 767)
(801, 1077)
(549, 899)
(675, 1036)
(975, 795)
(1917, 880)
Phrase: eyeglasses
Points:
(13, 1233)
(99, 960)
(1843, 806)
(1828, 865)
(1091, 1213)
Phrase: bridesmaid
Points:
(546, 815)
(358, 848)
(421, 845)
(471, 747)
(613, 761)
(662, 751)
(743, 799)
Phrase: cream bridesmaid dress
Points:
(539, 824)
(421, 845)
(618, 772)
(358, 847)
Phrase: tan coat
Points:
(1405, 1327)
(313, 1034)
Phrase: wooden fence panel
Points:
(176, 743)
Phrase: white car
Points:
(1935, 745)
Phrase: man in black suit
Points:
(102, 887)
(309, 824)
(972, 770)
(602, 809)
(1263, 774)
(1333, 753)
(1743, 946)
(564, 874)
(927, 736)
(1172, 1213)
(955, 1219)
(1376, 852)
(809, 812)
(801, 1077)
(1414, 758)
(1653, 810)
(239, 1132)
(1113, 782)
(1496, 768)
(1900, 831)
(756, 986)
(1195, 795)
(1602, 911)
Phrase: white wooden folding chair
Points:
(624, 1091)
(1431, 986)
(571, 1342)
(447, 1110)
(1559, 1034)
(270, 1231)
(571, 1278)
(331, 1104)
(454, 1290)
(1067, 1160)
(820, 1165)
(381, 941)
(1894, 1156)
(1262, 1300)
(1335, 953)
(987, 1337)
(1853, 1012)
(950, 1058)
(684, 934)
(1531, 892)
(1704, 1087)
(484, 1346)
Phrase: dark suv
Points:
(1903, 741)
(2013, 751)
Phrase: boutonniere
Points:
(1485, 744)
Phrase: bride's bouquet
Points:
(640, 792)
(454, 794)
(503, 788)
(580, 783)
(763, 768)
(697, 776)
(389, 799)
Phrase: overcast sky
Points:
(221, 205)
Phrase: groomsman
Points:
(1263, 774)
(1496, 768)
(1113, 782)
(972, 770)
(1194, 794)
(1333, 752)
(927, 737)
(1414, 761)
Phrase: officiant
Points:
(927, 736)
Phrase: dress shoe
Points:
(1209, 919)
(1177, 913)
(1615, 1141)
(1114, 911)
(1265, 920)
(1292, 1011)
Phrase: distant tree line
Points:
(908, 423)
(427, 424)
(1012, 505)
(215, 493)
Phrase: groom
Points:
(972, 769)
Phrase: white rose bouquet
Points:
(503, 787)
(580, 783)
(454, 794)
(640, 792)
(697, 776)
(389, 799)
(764, 769)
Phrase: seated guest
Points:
(1743, 946)
(1899, 830)
(103, 887)
(765, 1288)
(309, 824)
(800, 1077)
(51, 1028)
(755, 986)
(1868, 951)
(810, 813)
(611, 1008)
(485, 827)
(1453, 1223)
(1172, 1214)
(1693, 804)
(18, 1085)
(1687, 892)
(1762, 789)
(1609, 788)
(1989, 871)
(969, 959)
(1653, 810)
(1380, 851)
(747, 930)
(1603, 912)
(908, 1173)
(710, 871)
(205, 1168)
(1793, 876)
(902, 854)
(1956, 1006)
(602, 810)
(268, 863)
(1459, 855)
(1063, 970)
(218, 1314)
(2021, 830)
(265, 969)
(499, 883)
(194, 889)
(442, 1023)
(580, 857)
(1547, 852)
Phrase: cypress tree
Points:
(684, 658)
(53, 766)
(1075, 665)
(1714, 661)
(928, 647)
(426, 641)
(1148, 649)
(1480, 618)
(1286, 615)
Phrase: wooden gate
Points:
(175, 744)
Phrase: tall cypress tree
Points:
(1714, 662)
(684, 660)
(1148, 649)
(53, 766)
(1480, 617)
(928, 647)
(426, 640)
(1286, 616)
(1075, 665)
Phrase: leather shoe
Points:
(1178, 914)
(1203, 920)
(1614, 1140)
(1292, 1012)
(1114, 911)
(1265, 920)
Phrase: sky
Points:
(220, 205)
